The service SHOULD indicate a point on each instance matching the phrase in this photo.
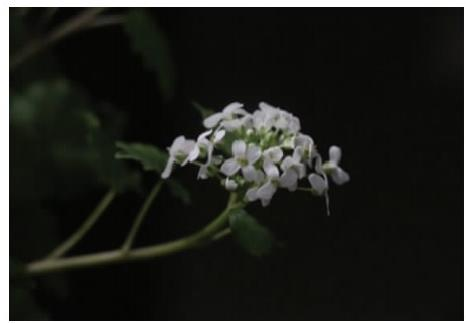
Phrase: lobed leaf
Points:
(149, 41)
(250, 234)
(151, 157)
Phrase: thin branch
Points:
(108, 20)
(85, 227)
(68, 27)
(222, 234)
(47, 15)
(197, 239)
(141, 215)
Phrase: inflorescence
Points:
(256, 153)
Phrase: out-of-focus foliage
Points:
(60, 149)
(149, 41)
(54, 122)
(152, 159)
(62, 145)
(250, 234)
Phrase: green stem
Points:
(141, 215)
(85, 227)
(116, 256)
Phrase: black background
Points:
(386, 85)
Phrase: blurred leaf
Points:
(252, 236)
(149, 41)
(203, 111)
(179, 191)
(151, 157)
(53, 122)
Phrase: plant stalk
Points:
(197, 239)
(85, 227)
(141, 215)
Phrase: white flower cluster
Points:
(256, 153)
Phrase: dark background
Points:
(386, 85)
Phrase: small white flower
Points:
(230, 184)
(266, 191)
(270, 116)
(318, 183)
(228, 113)
(307, 145)
(207, 146)
(338, 175)
(257, 177)
(293, 170)
(179, 152)
(275, 154)
(318, 180)
(243, 156)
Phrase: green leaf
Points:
(149, 41)
(151, 157)
(250, 234)
(54, 122)
(179, 191)
(203, 111)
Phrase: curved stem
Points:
(85, 227)
(116, 256)
(74, 24)
(141, 215)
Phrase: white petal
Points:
(168, 168)
(204, 135)
(265, 202)
(238, 148)
(251, 194)
(334, 154)
(260, 177)
(253, 153)
(219, 135)
(294, 125)
(230, 167)
(298, 154)
(287, 163)
(203, 172)
(301, 168)
(270, 169)
(213, 120)
(317, 183)
(249, 173)
(267, 107)
(194, 153)
(339, 176)
(230, 185)
(266, 191)
(274, 153)
(289, 179)
(177, 145)
(233, 124)
(232, 107)
(187, 147)
(318, 164)
(303, 140)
